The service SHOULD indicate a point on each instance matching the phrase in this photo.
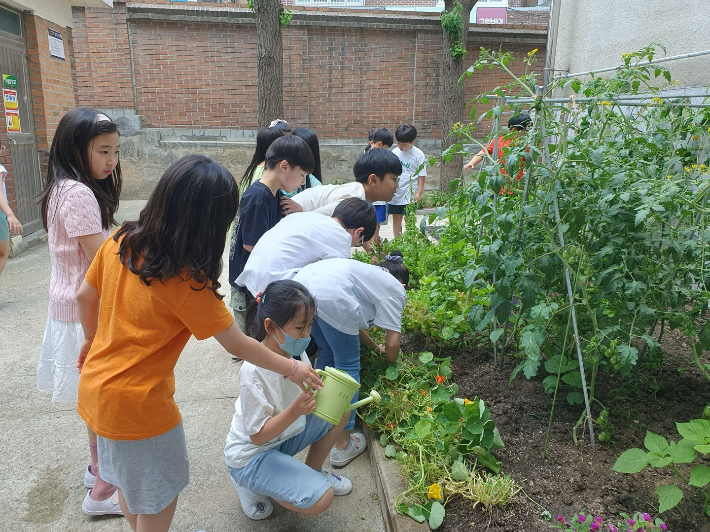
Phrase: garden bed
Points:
(579, 477)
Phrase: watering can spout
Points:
(374, 396)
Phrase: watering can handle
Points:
(321, 373)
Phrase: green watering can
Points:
(333, 400)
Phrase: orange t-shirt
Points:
(127, 382)
(504, 143)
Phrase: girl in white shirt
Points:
(274, 419)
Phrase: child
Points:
(410, 178)
(152, 285)
(517, 124)
(274, 420)
(380, 138)
(288, 161)
(306, 237)
(8, 221)
(264, 138)
(376, 174)
(314, 179)
(79, 201)
(351, 297)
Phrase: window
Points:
(330, 3)
(10, 22)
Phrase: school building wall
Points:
(51, 87)
(183, 79)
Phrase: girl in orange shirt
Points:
(151, 286)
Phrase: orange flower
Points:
(391, 426)
(440, 379)
(429, 409)
(434, 491)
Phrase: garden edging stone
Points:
(389, 483)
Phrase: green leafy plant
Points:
(662, 453)
(285, 16)
(452, 23)
(438, 439)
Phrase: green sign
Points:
(9, 82)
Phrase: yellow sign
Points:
(10, 98)
(12, 119)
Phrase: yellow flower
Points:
(532, 52)
(605, 102)
(656, 101)
(695, 137)
(429, 409)
(467, 401)
(434, 491)
(669, 177)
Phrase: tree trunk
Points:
(453, 102)
(270, 84)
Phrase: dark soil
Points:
(567, 478)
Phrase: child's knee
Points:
(323, 503)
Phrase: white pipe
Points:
(551, 47)
(610, 69)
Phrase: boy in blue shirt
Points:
(288, 161)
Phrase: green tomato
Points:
(614, 361)
(604, 437)
(706, 412)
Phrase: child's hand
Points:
(288, 206)
(304, 404)
(306, 374)
(418, 197)
(14, 223)
(85, 347)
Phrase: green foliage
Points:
(452, 23)
(285, 16)
(662, 453)
(438, 439)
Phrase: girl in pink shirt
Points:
(79, 201)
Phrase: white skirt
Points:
(57, 359)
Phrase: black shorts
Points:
(395, 209)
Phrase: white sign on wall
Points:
(56, 45)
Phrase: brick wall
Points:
(103, 63)
(527, 16)
(51, 80)
(341, 79)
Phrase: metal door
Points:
(22, 144)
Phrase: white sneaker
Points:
(108, 507)
(255, 506)
(355, 448)
(89, 479)
(341, 485)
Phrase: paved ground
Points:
(43, 445)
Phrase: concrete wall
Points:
(147, 153)
(593, 35)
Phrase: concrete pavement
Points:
(44, 449)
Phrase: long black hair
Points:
(282, 301)
(69, 158)
(264, 138)
(182, 230)
(312, 140)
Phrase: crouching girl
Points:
(274, 419)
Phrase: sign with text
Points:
(12, 120)
(9, 81)
(490, 15)
(10, 99)
(56, 44)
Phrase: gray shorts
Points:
(238, 302)
(151, 473)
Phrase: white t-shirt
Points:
(3, 174)
(323, 200)
(408, 179)
(297, 240)
(263, 394)
(352, 296)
